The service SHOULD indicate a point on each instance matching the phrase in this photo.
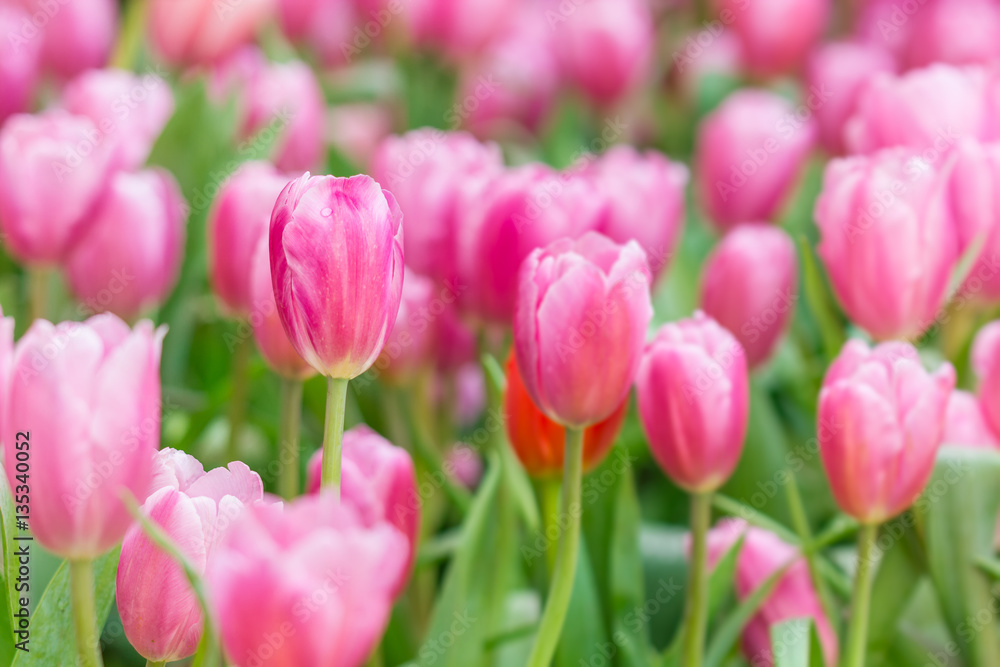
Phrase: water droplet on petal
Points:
(326, 212)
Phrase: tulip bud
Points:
(749, 286)
(986, 363)
(975, 206)
(887, 415)
(776, 35)
(693, 402)
(75, 36)
(19, 63)
(53, 168)
(460, 28)
(695, 62)
(957, 32)
(965, 423)
(748, 156)
(409, 346)
(464, 465)
(887, 240)
(237, 222)
(286, 98)
(159, 611)
(540, 442)
(202, 32)
(582, 311)
(358, 129)
(88, 393)
(336, 248)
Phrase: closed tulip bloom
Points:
(539, 442)
(748, 156)
(202, 32)
(336, 248)
(693, 402)
(48, 186)
(129, 110)
(129, 258)
(76, 36)
(889, 416)
(380, 483)
(159, 611)
(957, 32)
(749, 286)
(986, 363)
(264, 577)
(410, 346)
(426, 170)
(776, 35)
(582, 311)
(93, 410)
(237, 222)
(888, 240)
(358, 129)
(965, 423)
(975, 207)
(460, 28)
(19, 63)
(839, 71)
(696, 64)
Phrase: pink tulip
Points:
(582, 311)
(693, 402)
(761, 555)
(465, 466)
(965, 423)
(695, 62)
(975, 207)
(336, 249)
(748, 155)
(460, 28)
(411, 343)
(237, 222)
(928, 110)
(605, 47)
(357, 130)
(286, 99)
(839, 72)
(426, 171)
(749, 286)
(986, 362)
(503, 219)
(307, 584)
(129, 111)
(19, 63)
(380, 482)
(89, 394)
(775, 35)
(202, 32)
(268, 332)
(159, 611)
(888, 240)
(124, 267)
(645, 193)
(53, 168)
(956, 32)
(888, 417)
(74, 36)
(878, 22)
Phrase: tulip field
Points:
(500, 333)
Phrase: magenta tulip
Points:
(965, 423)
(460, 28)
(748, 156)
(75, 36)
(88, 393)
(19, 63)
(889, 416)
(957, 32)
(693, 401)
(986, 362)
(120, 265)
(775, 35)
(749, 286)
(582, 309)
(202, 32)
(158, 608)
(888, 240)
(336, 248)
(307, 584)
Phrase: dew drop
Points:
(326, 212)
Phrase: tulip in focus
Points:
(749, 286)
(888, 240)
(19, 63)
(202, 32)
(75, 36)
(693, 402)
(159, 611)
(776, 35)
(986, 363)
(129, 258)
(889, 415)
(748, 156)
(965, 422)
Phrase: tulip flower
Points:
(762, 555)
(645, 193)
(130, 111)
(986, 362)
(336, 247)
(203, 32)
(307, 584)
(965, 423)
(358, 129)
(888, 240)
(775, 35)
(958, 32)
(974, 176)
(459, 28)
(749, 286)
(748, 155)
(380, 482)
(411, 343)
(124, 267)
(75, 36)
(696, 63)
(464, 465)
(158, 608)
(19, 63)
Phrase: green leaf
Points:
(664, 565)
(720, 581)
(795, 643)
(893, 588)
(52, 643)
(820, 301)
(583, 636)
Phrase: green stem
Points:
(696, 612)
(857, 631)
(150, 663)
(800, 521)
(291, 411)
(38, 286)
(548, 494)
(333, 433)
(81, 578)
(561, 587)
(238, 400)
(130, 37)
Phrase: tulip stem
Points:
(81, 578)
(548, 492)
(291, 410)
(561, 586)
(38, 285)
(857, 631)
(333, 433)
(150, 663)
(696, 612)
(237, 402)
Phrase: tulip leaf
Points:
(52, 641)
(720, 581)
(795, 643)
(583, 637)
(663, 560)
(820, 302)
(894, 586)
